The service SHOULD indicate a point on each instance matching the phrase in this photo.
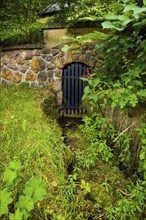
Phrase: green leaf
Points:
(95, 35)
(96, 82)
(11, 176)
(95, 98)
(25, 204)
(85, 185)
(5, 200)
(65, 48)
(84, 96)
(109, 25)
(117, 85)
(130, 7)
(17, 216)
(36, 189)
(111, 17)
(60, 217)
(141, 23)
(142, 156)
(133, 100)
(142, 93)
(87, 89)
(89, 18)
(125, 19)
(15, 165)
(136, 10)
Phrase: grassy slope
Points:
(26, 133)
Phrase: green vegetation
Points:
(32, 146)
(20, 21)
(101, 171)
(77, 181)
(34, 192)
(119, 86)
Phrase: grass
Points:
(25, 131)
(27, 134)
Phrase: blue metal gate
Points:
(73, 88)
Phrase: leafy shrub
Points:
(20, 33)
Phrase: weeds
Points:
(34, 164)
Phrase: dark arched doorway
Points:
(73, 87)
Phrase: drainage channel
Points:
(68, 123)
(72, 124)
(72, 142)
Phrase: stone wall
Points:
(53, 37)
(43, 67)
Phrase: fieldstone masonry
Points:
(43, 67)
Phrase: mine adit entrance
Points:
(73, 89)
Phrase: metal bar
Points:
(76, 88)
(80, 87)
(84, 85)
(64, 90)
(69, 89)
(72, 88)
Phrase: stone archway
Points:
(43, 67)
(76, 53)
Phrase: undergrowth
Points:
(35, 180)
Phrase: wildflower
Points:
(89, 75)
(83, 76)
(87, 70)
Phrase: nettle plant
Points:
(11, 199)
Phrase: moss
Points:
(110, 178)
(68, 156)
(99, 193)
(75, 139)
(49, 106)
